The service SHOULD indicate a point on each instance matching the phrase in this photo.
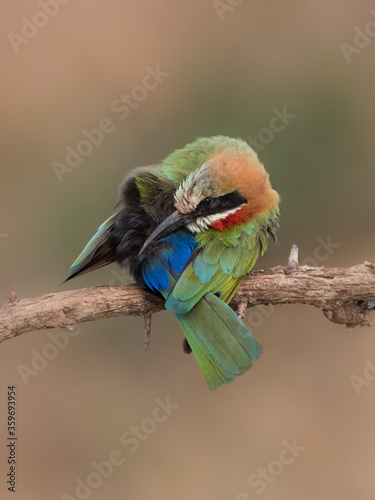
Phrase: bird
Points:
(189, 230)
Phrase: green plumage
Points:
(96, 253)
(192, 198)
(178, 165)
(222, 345)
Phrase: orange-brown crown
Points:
(242, 171)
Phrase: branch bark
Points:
(345, 295)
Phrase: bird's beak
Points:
(170, 224)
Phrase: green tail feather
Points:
(222, 345)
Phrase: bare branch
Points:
(345, 295)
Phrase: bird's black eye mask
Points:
(229, 201)
(208, 206)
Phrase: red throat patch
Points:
(236, 218)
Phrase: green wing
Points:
(216, 268)
(222, 345)
(97, 253)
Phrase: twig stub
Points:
(293, 263)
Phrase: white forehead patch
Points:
(193, 189)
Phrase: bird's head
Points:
(230, 188)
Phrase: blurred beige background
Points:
(230, 64)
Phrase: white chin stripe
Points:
(203, 223)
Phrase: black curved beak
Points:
(172, 223)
